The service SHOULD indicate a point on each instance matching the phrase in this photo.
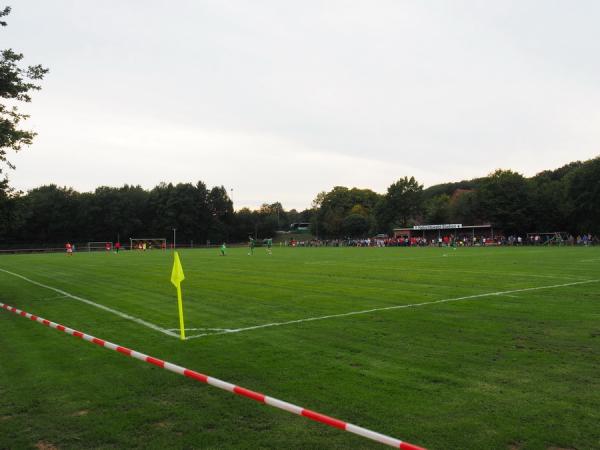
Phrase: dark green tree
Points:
(504, 201)
(401, 205)
(48, 216)
(355, 225)
(437, 209)
(465, 209)
(335, 205)
(220, 208)
(583, 193)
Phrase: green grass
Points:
(520, 370)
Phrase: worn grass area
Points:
(519, 370)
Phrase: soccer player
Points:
(223, 249)
(251, 244)
(107, 246)
(270, 246)
(69, 248)
(117, 247)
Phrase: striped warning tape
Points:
(223, 384)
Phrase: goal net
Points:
(147, 244)
(98, 246)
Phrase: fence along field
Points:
(435, 332)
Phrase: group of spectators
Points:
(552, 239)
(451, 241)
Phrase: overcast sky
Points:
(279, 100)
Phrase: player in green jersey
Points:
(223, 249)
(270, 246)
(251, 244)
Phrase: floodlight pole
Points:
(174, 236)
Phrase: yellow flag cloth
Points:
(177, 274)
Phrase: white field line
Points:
(387, 308)
(96, 305)
(590, 260)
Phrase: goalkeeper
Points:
(223, 249)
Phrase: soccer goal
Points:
(551, 238)
(99, 246)
(147, 244)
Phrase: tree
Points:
(583, 191)
(549, 206)
(355, 225)
(464, 208)
(221, 210)
(49, 211)
(16, 85)
(505, 201)
(337, 204)
(401, 204)
(437, 209)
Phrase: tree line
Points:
(565, 199)
(50, 215)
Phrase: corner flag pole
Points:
(180, 307)
(177, 277)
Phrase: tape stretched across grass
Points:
(393, 442)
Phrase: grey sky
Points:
(280, 100)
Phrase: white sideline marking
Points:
(366, 311)
(97, 305)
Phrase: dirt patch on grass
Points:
(162, 424)
(43, 445)
(83, 412)
(561, 448)
(515, 446)
(5, 418)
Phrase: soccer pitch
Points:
(478, 348)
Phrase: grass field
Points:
(516, 368)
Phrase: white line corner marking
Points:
(97, 305)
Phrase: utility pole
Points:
(174, 236)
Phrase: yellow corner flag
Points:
(177, 277)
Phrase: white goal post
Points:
(147, 244)
(97, 246)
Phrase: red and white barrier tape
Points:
(382, 438)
